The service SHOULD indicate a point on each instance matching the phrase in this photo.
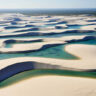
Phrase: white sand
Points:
(25, 47)
(52, 86)
(80, 22)
(62, 25)
(33, 46)
(89, 27)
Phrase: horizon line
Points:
(42, 8)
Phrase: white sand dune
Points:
(33, 46)
(26, 47)
(52, 86)
(80, 22)
(89, 27)
(10, 32)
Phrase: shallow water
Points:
(53, 52)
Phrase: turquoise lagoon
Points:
(53, 52)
